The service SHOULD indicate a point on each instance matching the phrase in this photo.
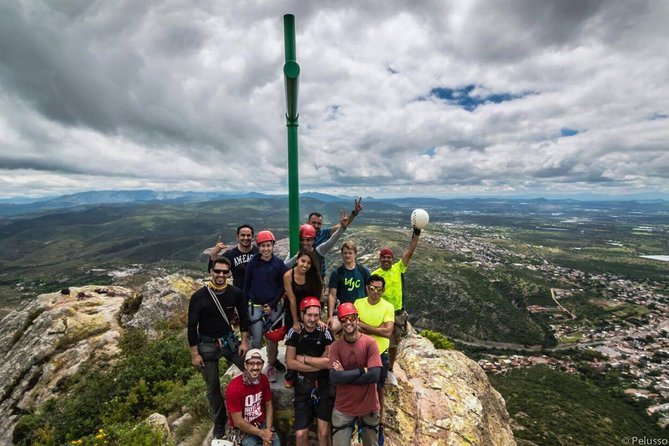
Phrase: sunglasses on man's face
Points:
(376, 288)
(350, 318)
(225, 272)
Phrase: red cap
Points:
(386, 252)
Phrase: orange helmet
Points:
(265, 236)
(307, 231)
(309, 302)
(346, 309)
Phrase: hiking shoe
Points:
(219, 431)
(382, 440)
(271, 374)
(392, 380)
(288, 379)
(278, 365)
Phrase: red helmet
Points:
(309, 302)
(277, 335)
(346, 309)
(265, 236)
(307, 231)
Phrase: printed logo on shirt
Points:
(244, 258)
(351, 284)
(253, 406)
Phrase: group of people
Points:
(340, 345)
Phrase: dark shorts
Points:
(400, 327)
(306, 410)
(385, 365)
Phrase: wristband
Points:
(354, 213)
(362, 370)
(416, 231)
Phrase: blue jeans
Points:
(257, 324)
(253, 440)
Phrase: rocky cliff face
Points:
(443, 398)
(48, 340)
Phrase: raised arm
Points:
(406, 257)
(324, 247)
(357, 207)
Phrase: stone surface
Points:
(48, 340)
(164, 301)
(442, 398)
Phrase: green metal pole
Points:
(291, 71)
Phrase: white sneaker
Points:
(271, 374)
(392, 380)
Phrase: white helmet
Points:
(221, 442)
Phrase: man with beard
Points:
(355, 368)
(239, 256)
(211, 335)
(249, 401)
(307, 355)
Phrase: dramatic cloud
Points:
(396, 97)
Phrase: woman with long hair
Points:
(302, 280)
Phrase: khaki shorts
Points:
(400, 328)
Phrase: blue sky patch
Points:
(568, 132)
(430, 152)
(463, 98)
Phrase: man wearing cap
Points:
(249, 401)
(355, 368)
(307, 354)
(376, 319)
(393, 274)
(211, 336)
(263, 287)
(239, 256)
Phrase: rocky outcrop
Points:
(443, 398)
(48, 340)
(164, 301)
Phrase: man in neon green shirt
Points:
(393, 274)
(376, 317)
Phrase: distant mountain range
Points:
(21, 206)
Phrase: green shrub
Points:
(438, 340)
(148, 376)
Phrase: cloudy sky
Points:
(396, 97)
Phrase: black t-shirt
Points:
(204, 319)
(311, 344)
(238, 260)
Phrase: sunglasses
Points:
(350, 318)
(225, 272)
(376, 288)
